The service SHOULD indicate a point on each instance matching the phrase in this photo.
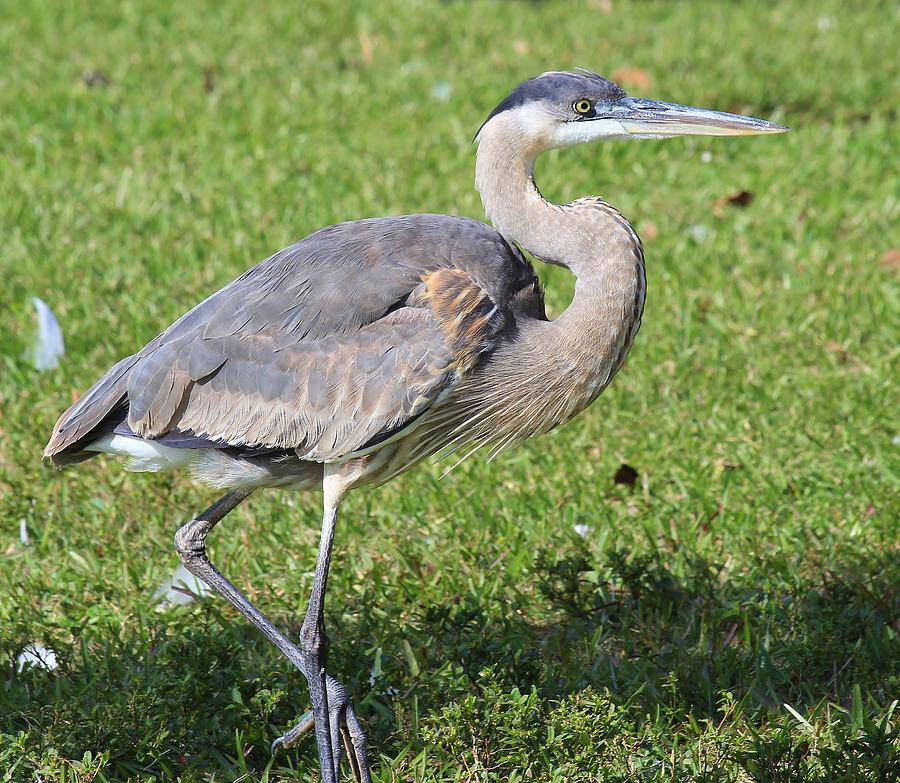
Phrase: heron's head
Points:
(561, 108)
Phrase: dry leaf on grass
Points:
(741, 198)
(648, 230)
(632, 78)
(604, 6)
(890, 259)
(626, 475)
(843, 355)
(366, 46)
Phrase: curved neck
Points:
(588, 236)
(574, 356)
(504, 177)
(548, 371)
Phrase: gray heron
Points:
(348, 357)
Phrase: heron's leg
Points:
(328, 718)
(191, 547)
(333, 715)
(351, 731)
(190, 543)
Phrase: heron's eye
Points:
(583, 107)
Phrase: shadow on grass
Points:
(656, 632)
(660, 622)
(714, 658)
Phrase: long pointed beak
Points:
(655, 119)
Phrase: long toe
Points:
(345, 729)
(335, 721)
(356, 746)
(295, 734)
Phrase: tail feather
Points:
(84, 420)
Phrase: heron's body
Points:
(432, 347)
(370, 345)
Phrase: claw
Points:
(344, 729)
(293, 735)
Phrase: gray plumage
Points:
(325, 346)
(349, 356)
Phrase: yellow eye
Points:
(583, 106)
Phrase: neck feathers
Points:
(576, 355)
(585, 236)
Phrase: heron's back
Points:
(328, 346)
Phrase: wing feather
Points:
(325, 347)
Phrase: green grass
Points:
(732, 617)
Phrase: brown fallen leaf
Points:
(626, 475)
(648, 230)
(890, 259)
(635, 78)
(720, 466)
(366, 46)
(843, 355)
(209, 78)
(740, 199)
(604, 6)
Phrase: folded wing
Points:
(329, 346)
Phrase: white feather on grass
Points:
(36, 656)
(181, 588)
(442, 91)
(48, 343)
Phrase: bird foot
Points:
(344, 729)
(294, 735)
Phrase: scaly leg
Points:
(334, 718)
(190, 545)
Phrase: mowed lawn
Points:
(729, 614)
